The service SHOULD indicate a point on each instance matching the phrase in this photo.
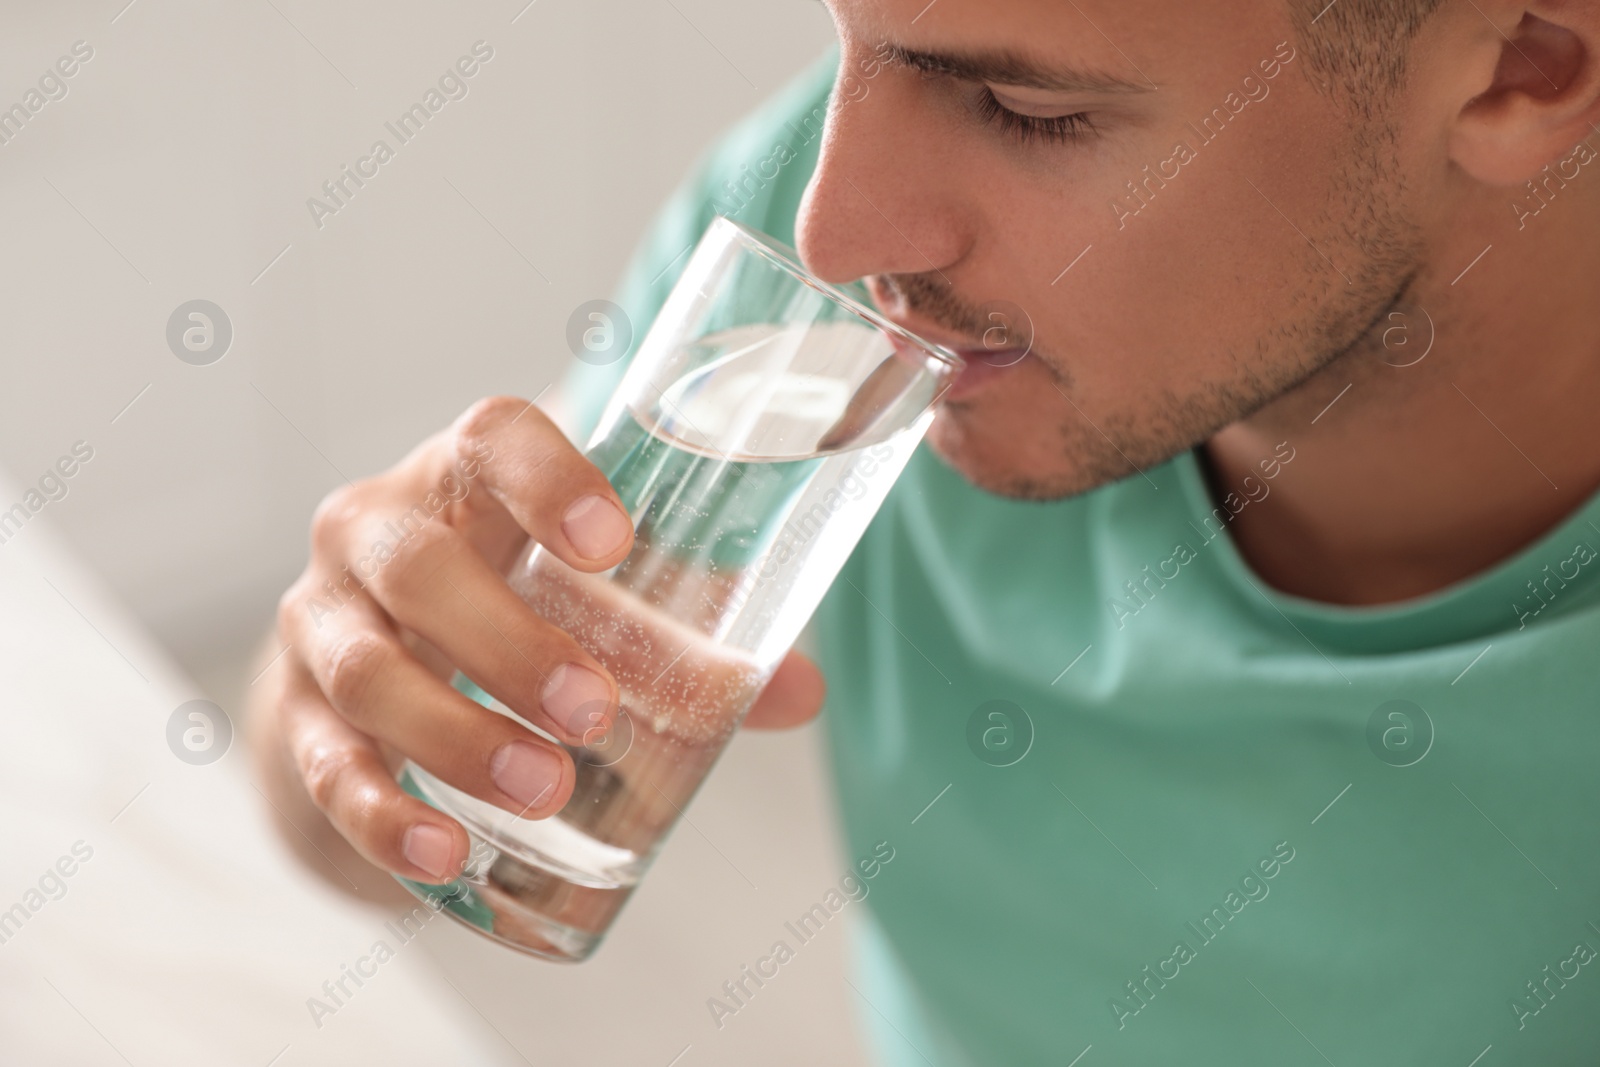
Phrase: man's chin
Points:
(1016, 443)
(988, 451)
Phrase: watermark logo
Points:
(453, 84)
(452, 488)
(1551, 179)
(1408, 336)
(1552, 583)
(199, 332)
(52, 486)
(1552, 980)
(1143, 187)
(599, 332)
(738, 991)
(1252, 888)
(199, 732)
(51, 87)
(51, 885)
(1143, 588)
(790, 544)
(605, 747)
(1399, 733)
(336, 992)
(1000, 733)
(1007, 333)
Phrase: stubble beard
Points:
(1366, 238)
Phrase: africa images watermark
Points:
(453, 488)
(199, 332)
(1143, 591)
(452, 85)
(1253, 885)
(1400, 733)
(851, 87)
(52, 486)
(50, 87)
(337, 991)
(1142, 193)
(199, 732)
(51, 885)
(1566, 572)
(1552, 179)
(1541, 994)
(1000, 732)
(801, 527)
(804, 929)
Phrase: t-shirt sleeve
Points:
(755, 174)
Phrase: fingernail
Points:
(577, 698)
(429, 847)
(596, 527)
(524, 772)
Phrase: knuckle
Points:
(354, 663)
(555, 472)
(485, 419)
(292, 607)
(552, 466)
(417, 559)
(284, 614)
(322, 770)
(334, 515)
(534, 638)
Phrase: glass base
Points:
(517, 902)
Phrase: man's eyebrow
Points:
(1008, 68)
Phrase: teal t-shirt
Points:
(1145, 809)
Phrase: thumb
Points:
(792, 698)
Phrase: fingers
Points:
(346, 777)
(418, 547)
(440, 588)
(381, 690)
(532, 471)
(792, 697)
(421, 551)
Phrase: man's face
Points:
(1149, 197)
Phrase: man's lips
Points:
(981, 367)
(979, 364)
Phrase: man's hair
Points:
(1357, 49)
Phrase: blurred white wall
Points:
(178, 166)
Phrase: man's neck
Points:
(1407, 479)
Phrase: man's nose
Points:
(886, 195)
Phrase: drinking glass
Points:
(753, 437)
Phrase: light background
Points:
(178, 167)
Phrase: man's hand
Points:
(404, 586)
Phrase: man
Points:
(1268, 524)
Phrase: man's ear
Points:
(1544, 96)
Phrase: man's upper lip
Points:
(961, 344)
(970, 353)
(913, 323)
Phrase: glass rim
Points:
(787, 259)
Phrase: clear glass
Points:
(757, 431)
